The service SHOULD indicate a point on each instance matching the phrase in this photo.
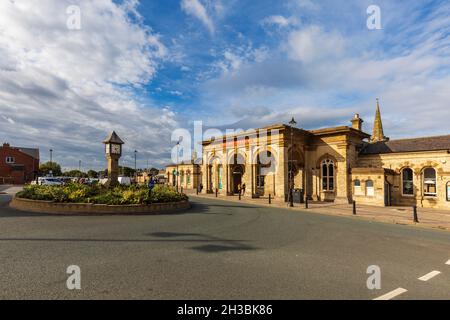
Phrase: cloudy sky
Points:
(145, 68)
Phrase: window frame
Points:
(447, 188)
(10, 160)
(428, 194)
(372, 187)
(357, 189)
(326, 178)
(403, 182)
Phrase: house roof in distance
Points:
(435, 143)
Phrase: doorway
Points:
(238, 172)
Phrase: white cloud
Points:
(280, 21)
(198, 10)
(312, 43)
(66, 89)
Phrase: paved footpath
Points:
(428, 218)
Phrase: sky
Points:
(146, 68)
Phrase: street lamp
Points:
(51, 163)
(291, 169)
(178, 152)
(135, 165)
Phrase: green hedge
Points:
(121, 195)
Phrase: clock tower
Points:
(113, 150)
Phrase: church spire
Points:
(378, 134)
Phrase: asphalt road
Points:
(217, 250)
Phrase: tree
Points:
(92, 174)
(153, 171)
(45, 168)
(126, 171)
(75, 174)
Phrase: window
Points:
(182, 177)
(448, 191)
(429, 182)
(370, 191)
(10, 160)
(188, 177)
(358, 190)
(408, 182)
(328, 175)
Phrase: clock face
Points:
(115, 148)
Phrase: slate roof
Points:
(29, 151)
(113, 138)
(408, 145)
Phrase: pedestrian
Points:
(201, 187)
(151, 185)
(243, 189)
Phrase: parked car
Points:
(45, 181)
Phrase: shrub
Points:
(121, 195)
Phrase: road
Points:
(218, 250)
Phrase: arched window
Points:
(429, 182)
(358, 190)
(408, 182)
(370, 190)
(327, 175)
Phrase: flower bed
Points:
(97, 194)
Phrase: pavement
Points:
(219, 250)
(428, 217)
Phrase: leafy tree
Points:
(126, 171)
(92, 174)
(75, 174)
(45, 168)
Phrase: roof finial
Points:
(378, 134)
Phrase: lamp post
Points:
(51, 163)
(178, 153)
(135, 165)
(291, 169)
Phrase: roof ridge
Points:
(423, 137)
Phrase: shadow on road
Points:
(228, 245)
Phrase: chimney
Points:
(357, 122)
(5, 145)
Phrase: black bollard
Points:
(354, 207)
(270, 199)
(239, 195)
(291, 194)
(217, 192)
(416, 218)
(306, 203)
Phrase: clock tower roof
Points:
(113, 138)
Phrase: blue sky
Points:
(145, 68)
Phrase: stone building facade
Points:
(338, 164)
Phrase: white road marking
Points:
(448, 262)
(430, 275)
(392, 294)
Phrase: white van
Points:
(125, 181)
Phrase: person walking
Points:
(151, 186)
